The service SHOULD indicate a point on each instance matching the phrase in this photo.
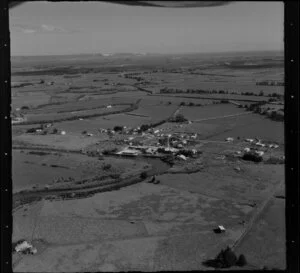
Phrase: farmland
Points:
(147, 153)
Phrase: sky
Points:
(46, 28)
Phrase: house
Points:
(182, 157)
(247, 150)
(229, 139)
(259, 153)
(63, 132)
(219, 229)
(25, 248)
(128, 152)
(108, 106)
(260, 144)
(249, 140)
(48, 125)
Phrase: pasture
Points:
(210, 111)
(56, 117)
(34, 169)
(107, 122)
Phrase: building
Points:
(128, 152)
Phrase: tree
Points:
(143, 175)
(106, 167)
(241, 260)
(54, 131)
(144, 127)
(230, 258)
(178, 118)
(261, 93)
(118, 128)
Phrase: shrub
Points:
(144, 127)
(230, 258)
(106, 167)
(143, 175)
(108, 151)
(83, 132)
(115, 175)
(31, 130)
(241, 260)
(118, 128)
(252, 157)
(168, 159)
(178, 118)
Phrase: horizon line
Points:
(151, 53)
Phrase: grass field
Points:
(210, 111)
(265, 244)
(156, 112)
(40, 170)
(93, 124)
(76, 113)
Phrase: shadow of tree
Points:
(215, 263)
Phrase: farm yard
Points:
(112, 153)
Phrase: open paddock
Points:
(243, 126)
(32, 99)
(253, 184)
(31, 169)
(156, 112)
(73, 106)
(248, 126)
(234, 97)
(108, 122)
(70, 141)
(56, 117)
(210, 111)
(265, 244)
(166, 100)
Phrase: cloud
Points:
(28, 31)
(50, 28)
(24, 28)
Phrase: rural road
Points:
(219, 117)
